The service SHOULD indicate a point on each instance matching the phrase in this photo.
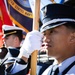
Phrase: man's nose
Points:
(46, 39)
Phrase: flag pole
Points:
(36, 16)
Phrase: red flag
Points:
(5, 16)
(4, 19)
(1, 39)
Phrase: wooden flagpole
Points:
(36, 16)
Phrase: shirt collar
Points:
(66, 63)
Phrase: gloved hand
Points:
(33, 41)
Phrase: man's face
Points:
(57, 41)
(9, 41)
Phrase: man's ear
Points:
(72, 38)
(16, 39)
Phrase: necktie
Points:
(55, 70)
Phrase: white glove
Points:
(33, 41)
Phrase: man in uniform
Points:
(58, 31)
(12, 36)
(12, 39)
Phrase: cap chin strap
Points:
(59, 20)
(11, 33)
(55, 22)
(51, 26)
